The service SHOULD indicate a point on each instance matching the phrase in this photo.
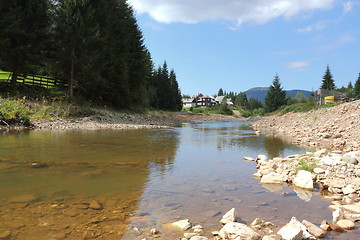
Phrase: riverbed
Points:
(143, 178)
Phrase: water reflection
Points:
(45, 174)
(274, 146)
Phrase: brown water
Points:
(144, 179)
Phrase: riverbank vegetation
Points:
(95, 51)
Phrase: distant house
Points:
(219, 100)
(205, 101)
(320, 94)
(188, 102)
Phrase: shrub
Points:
(14, 112)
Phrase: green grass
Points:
(305, 107)
(307, 163)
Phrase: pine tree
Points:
(328, 81)
(220, 92)
(276, 96)
(24, 36)
(241, 100)
(175, 92)
(357, 88)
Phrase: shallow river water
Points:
(143, 179)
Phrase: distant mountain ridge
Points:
(259, 93)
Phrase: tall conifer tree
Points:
(328, 81)
(276, 96)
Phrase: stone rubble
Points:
(335, 128)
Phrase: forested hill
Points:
(97, 47)
(259, 93)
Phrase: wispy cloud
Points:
(349, 5)
(298, 65)
(239, 11)
(315, 27)
(345, 39)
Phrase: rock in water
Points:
(95, 205)
(233, 230)
(229, 217)
(313, 229)
(271, 178)
(23, 199)
(294, 230)
(337, 215)
(304, 180)
(5, 235)
(183, 224)
(290, 232)
(346, 224)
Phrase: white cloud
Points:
(240, 11)
(298, 66)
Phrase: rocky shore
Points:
(336, 128)
(116, 121)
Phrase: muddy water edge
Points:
(99, 184)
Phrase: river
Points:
(143, 179)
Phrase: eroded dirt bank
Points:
(336, 128)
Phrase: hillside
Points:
(259, 93)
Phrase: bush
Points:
(14, 112)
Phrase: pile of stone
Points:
(338, 174)
(258, 229)
(336, 128)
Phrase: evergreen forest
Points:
(95, 47)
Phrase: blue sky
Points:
(240, 44)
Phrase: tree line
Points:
(276, 96)
(97, 46)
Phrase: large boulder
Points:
(304, 180)
(234, 230)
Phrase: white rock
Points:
(346, 224)
(353, 208)
(272, 178)
(293, 230)
(304, 180)
(257, 221)
(348, 189)
(183, 224)
(330, 161)
(320, 153)
(233, 230)
(229, 217)
(319, 170)
(190, 235)
(262, 157)
(199, 238)
(290, 232)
